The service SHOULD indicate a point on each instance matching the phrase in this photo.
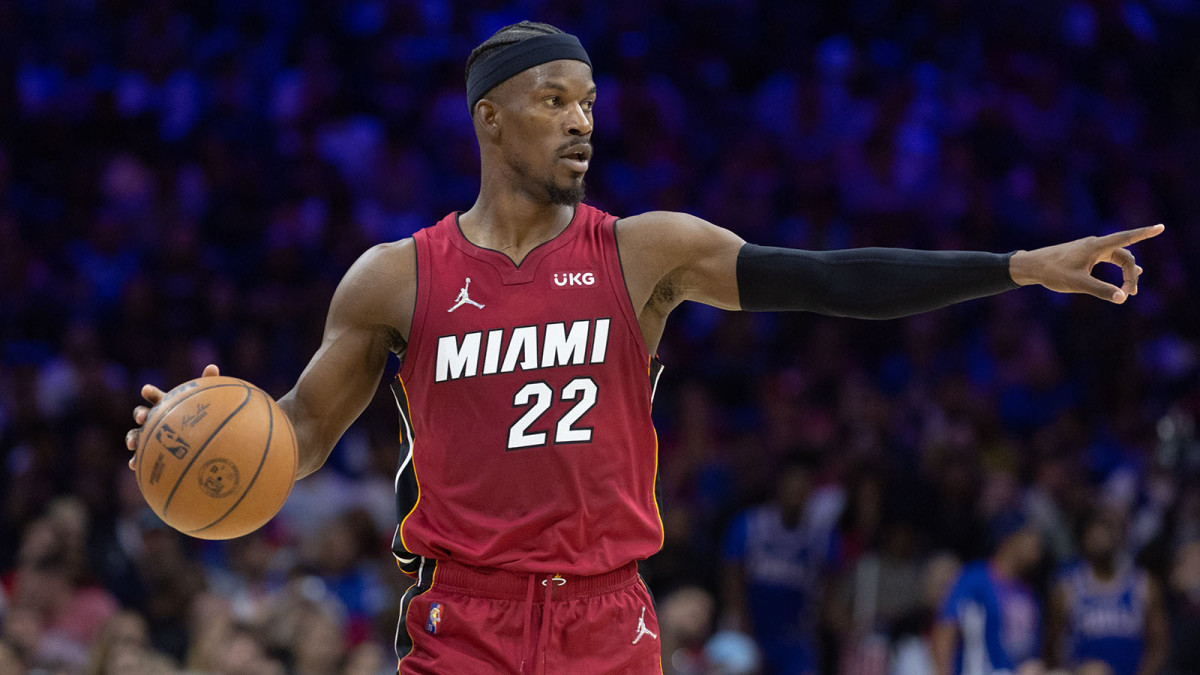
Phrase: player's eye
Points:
(588, 105)
(552, 101)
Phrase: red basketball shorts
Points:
(459, 619)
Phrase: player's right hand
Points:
(153, 395)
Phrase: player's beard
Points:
(561, 196)
(555, 193)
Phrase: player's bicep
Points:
(708, 273)
(690, 259)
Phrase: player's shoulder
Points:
(393, 247)
(389, 258)
(671, 231)
(379, 289)
(672, 220)
(381, 272)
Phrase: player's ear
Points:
(487, 117)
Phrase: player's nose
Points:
(578, 121)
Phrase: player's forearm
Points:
(334, 389)
(312, 446)
(868, 283)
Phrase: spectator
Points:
(990, 620)
(912, 635)
(774, 562)
(10, 663)
(22, 635)
(339, 557)
(64, 612)
(882, 589)
(367, 659)
(319, 644)
(123, 646)
(1105, 610)
(250, 579)
(1184, 610)
(685, 620)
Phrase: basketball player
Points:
(525, 489)
(1106, 611)
(989, 623)
(774, 557)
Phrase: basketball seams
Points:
(147, 432)
(261, 461)
(200, 451)
(168, 410)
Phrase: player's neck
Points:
(513, 223)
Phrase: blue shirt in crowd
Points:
(998, 621)
(783, 568)
(1106, 619)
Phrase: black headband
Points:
(519, 56)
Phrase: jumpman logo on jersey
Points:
(463, 298)
(642, 631)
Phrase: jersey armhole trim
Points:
(623, 295)
(421, 309)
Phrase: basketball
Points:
(216, 458)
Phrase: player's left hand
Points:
(1067, 268)
(153, 395)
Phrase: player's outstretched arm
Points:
(370, 315)
(691, 259)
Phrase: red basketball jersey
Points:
(525, 402)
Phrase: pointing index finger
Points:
(1122, 239)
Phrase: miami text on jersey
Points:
(524, 347)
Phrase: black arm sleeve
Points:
(866, 283)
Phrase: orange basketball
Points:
(216, 458)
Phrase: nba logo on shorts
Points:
(435, 618)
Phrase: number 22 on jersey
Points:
(538, 396)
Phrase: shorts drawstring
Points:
(526, 648)
(528, 652)
(543, 642)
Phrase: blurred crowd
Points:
(185, 182)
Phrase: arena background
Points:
(185, 182)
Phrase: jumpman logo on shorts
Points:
(463, 298)
(642, 631)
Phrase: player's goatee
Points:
(566, 196)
